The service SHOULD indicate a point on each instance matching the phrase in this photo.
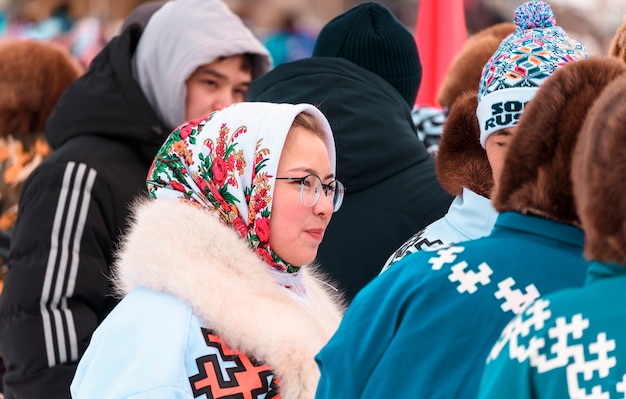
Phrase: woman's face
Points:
(296, 230)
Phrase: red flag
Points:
(440, 33)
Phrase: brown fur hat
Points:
(33, 74)
(467, 65)
(598, 171)
(461, 161)
(618, 44)
(536, 174)
(39, 10)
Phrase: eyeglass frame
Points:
(325, 188)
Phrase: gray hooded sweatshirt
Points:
(166, 58)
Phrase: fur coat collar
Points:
(182, 250)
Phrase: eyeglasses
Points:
(311, 187)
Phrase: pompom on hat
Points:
(521, 64)
(370, 36)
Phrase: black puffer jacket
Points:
(72, 211)
(392, 190)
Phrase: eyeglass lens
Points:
(311, 188)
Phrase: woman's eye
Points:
(211, 83)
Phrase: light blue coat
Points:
(469, 217)
(128, 348)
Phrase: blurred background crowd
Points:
(287, 27)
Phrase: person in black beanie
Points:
(364, 75)
(370, 36)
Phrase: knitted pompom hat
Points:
(370, 36)
(521, 64)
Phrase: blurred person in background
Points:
(33, 75)
(193, 57)
(291, 41)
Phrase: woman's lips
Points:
(317, 234)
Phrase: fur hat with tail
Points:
(33, 74)
(598, 171)
(618, 44)
(467, 65)
(536, 174)
(461, 161)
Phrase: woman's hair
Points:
(309, 122)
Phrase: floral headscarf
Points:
(227, 163)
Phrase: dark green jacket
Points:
(391, 188)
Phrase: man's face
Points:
(217, 85)
(496, 146)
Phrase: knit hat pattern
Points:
(370, 36)
(522, 62)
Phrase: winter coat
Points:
(579, 344)
(203, 317)
(470, 216)
(72, 210)
(424, 328)
(391, 187)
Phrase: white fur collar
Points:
(183, 250)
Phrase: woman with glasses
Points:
(220, 299)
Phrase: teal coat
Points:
(578, 339)
(424, 328)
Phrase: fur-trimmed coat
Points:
(192, 264)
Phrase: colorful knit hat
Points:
(370, 36)
(521, 64)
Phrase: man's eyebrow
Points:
(209, 71)
(502, 132)
(220, 76)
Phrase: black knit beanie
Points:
(370, 36)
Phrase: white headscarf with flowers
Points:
(227, 164)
